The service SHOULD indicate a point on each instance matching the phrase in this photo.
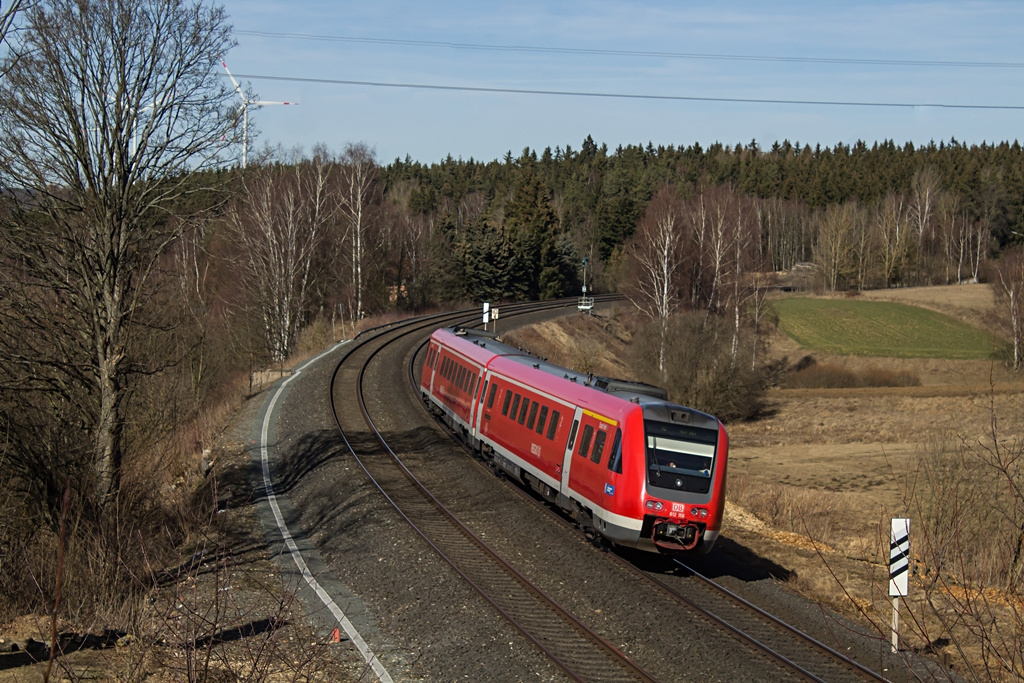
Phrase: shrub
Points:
(700, 368)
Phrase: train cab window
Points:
(483, 392)
(598, 446)
(522, 411)
(588, 434)
(615, 461)
(490, 399)
(541, 419)
(515, 407)
(508, 399)
(572, 433)
(553, 426)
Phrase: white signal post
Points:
(899, 572)
(246, 103)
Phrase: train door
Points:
(476, 400)
(567, 454)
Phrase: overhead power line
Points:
(637, 53)
(633, 96)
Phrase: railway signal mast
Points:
(246, 103)
(586, 303)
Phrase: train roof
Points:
(636, 392)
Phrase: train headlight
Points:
(698, 512)
(654, 505)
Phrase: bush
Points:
(700, 368)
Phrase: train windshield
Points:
(680, 457)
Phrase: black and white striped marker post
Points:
(899, 572)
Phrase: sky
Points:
(497, 77)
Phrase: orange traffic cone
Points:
(335, 636)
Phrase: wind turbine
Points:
(246, 103)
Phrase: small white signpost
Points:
(899, 572)
(489, 315)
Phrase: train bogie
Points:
(617, 456)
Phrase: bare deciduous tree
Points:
(279, 223)
(107, 116)
(897, 248)
(1010, 292)
(834, 250)
(359, 173)
(657, 250)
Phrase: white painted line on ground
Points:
(293, 549)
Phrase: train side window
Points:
(533, 415)
(472, 385)
(541, 419)
(553, 426)
(515, 407)
(572, 433)
(615, 461)
(494, 391)
(588, 434)
(508, 399)
(444, 366)
(522, 411)
(598, 446)
(483, 393)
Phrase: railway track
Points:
(579, 651)
(574, 647)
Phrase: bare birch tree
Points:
(107, 116)
(1010, 294)
(657, 250)
(358, 186)
(279, 222)
(834, 250)
(896, 244)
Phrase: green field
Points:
(847, 327)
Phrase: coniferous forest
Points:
(868, 216)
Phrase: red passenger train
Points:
(617, 456)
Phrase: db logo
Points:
(678, 507)
(535, 449)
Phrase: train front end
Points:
(685, 455)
